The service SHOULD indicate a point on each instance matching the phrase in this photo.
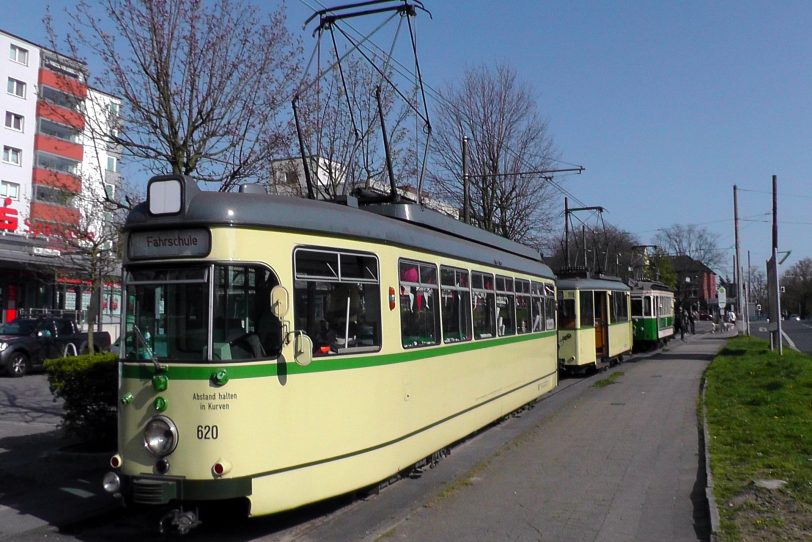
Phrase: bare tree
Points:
(691, 240)
(606, 250)
(203, 83)
(341, 125)
(507, 137)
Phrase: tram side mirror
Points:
(303, 349)
(280, 301)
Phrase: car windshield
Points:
(18, 327)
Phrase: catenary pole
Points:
(737, 268)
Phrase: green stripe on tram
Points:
(146, 370)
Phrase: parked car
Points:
(26, 343)
(794, 317)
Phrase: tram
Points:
(652, 314)
(594, 327)
(279, 351)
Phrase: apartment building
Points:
(56, 165)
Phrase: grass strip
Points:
(759, 412)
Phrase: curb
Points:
(713, 507)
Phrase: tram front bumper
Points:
(154, 490)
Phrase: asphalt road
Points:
(799, 332)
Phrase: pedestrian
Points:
(692, 316)
(681, 323)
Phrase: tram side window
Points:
(637, 306)
(505, 306)
(336, 300)
(566, 312)
(484, 305)
(647, 306)
(244, 326)
(620, 312)
(549, 293)
(587, 308)
(539, 306)
(419, 306)
(456, 310)
(524, 314)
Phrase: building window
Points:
(9, 190)
(12, 155)
(15, 87)
(62, 99)
(18, 54)
(56, 196)
(14, 121)
(59, 131)
(57, 163)
(112, 164)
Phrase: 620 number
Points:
(208, 432)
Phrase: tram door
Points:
(601, 326)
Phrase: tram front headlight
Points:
(160, 436)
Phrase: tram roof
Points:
(589, 282)
(644, 285)
(397, 224)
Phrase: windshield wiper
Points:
(148, 349)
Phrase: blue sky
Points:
(667, 104)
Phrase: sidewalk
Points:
(622, 462)
(42, 486)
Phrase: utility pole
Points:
(775, 268)
(737, 268)
(567, 231)
(466, 196)
(749, 291)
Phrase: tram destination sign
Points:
(186, 243)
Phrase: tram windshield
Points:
(200, 313)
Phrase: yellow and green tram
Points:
(594, 327)
(279, 351)
(652, 314)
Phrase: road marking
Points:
(789, 341)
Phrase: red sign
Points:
(8, 216)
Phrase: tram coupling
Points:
(178, 522)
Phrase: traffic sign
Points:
(722, 294)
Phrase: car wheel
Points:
(17, 364)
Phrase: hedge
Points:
(88, 385)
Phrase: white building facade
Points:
(53, 166)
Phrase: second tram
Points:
(594, 326)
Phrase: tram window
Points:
(340, 312)
(538, 307)
(566, 314)
(620, 311)
(647, 306)
(524, 314)
(637, 306)
(244, 326)
(484, 301)
(419, 307)
(587, 308)
(549, 306)
(456, 307)
(505, 306)
(167, 314)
